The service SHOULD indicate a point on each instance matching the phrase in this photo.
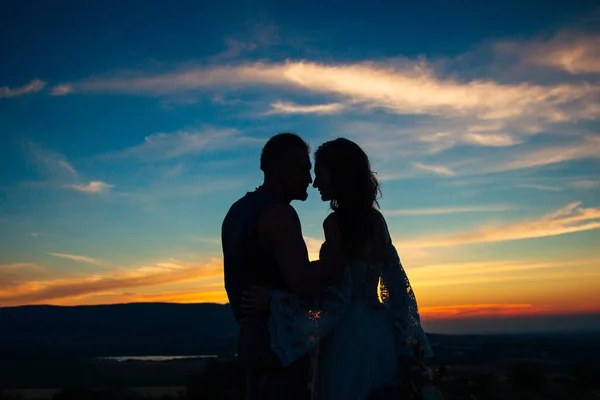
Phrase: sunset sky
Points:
(128, 129)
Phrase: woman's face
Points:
(323, 182)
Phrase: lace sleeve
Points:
(397, 294)
(296, 325)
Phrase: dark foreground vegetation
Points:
(223, 379)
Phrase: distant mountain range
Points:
(117, 330)
(152, 329)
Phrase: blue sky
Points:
(128, 129)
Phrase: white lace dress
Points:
(358, 338)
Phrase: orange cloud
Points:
(18, 273)
(203, 294)
(496, 310)
(49, 291)
(210, 294)
(478, 310)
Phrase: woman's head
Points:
(344, 177)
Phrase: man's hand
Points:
(255, 300)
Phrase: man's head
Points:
(285, 161)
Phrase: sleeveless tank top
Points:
(245, 261)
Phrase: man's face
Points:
(295, 174)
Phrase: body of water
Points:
(154, 358)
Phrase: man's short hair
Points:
(279, 145)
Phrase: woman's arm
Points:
(335, 255)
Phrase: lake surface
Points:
(153, 358)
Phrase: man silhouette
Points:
(263, 246)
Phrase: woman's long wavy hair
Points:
(356, 189)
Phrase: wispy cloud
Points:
(445, 210)
(574, 52)
(589, 147)
(93, 187)
(393, 176)
(78, 258)
(256, 37)
(18, 273)
(513, 159)
(54, 291)
(543, 188)
(586, 184)
(281, 107)
(53, 165)
(32, 87)
(580, 184)
(399, 86)
(491, 139)
(20, 266)
(59, 172)
(571, 218)
(61, 90)
(434, 169)
(166, 190)
(452, 109)
(482, 134)
(165, 146)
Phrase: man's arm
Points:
(281, 231)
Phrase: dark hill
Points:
(141, 329)
(117, 330)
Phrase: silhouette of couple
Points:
(352, 312)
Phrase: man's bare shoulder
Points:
(279, 212)
(278, 216)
